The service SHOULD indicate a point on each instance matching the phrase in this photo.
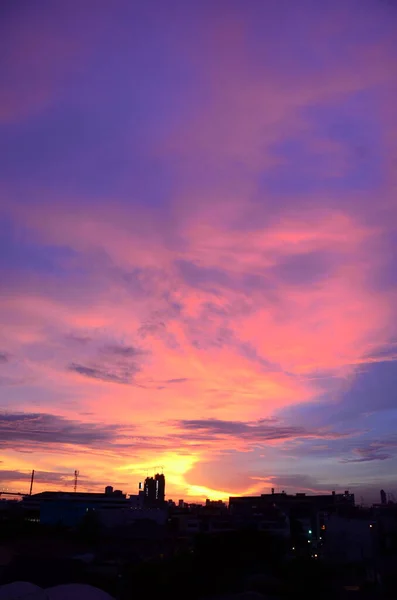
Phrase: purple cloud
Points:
(197, 208)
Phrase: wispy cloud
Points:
(123, 375)
(43, 429)
(46, 477)
(373, 451)
(79, 339)
(260, 432)
(113, 364)
(367, 457)
(125, 351)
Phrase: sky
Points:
(198, 245)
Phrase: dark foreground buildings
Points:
(308, 512)
(111, 508)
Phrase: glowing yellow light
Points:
(176, 467)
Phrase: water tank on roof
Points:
(108, 490)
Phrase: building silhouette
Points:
(273, 510)
(154, 490)
(383, 497)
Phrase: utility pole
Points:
(31, 483)
(76, 474)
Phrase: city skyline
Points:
(198, 246)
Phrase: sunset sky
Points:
(198, 245)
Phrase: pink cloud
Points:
(323, 326)
(206, 288)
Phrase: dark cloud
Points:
(222, 336)
(125, 351)
(114, 374)
(43, 428)
(212, 278)
(198, 276)
(156, 325)
(79, 339)
(151, 328)
(209, 308)
(215, 426)
(177, 380)
(372, 390)
(32, 431)
(219, 332)
(4, 357)
(373, 451)
(257, 432)
(385, 354)
(367, 458)
(113, 364)
(295, 269)
(304, 269)
(359, 446)
(249, 351)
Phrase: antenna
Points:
(31, 483)
(76, 475)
